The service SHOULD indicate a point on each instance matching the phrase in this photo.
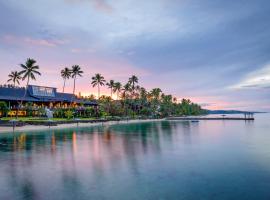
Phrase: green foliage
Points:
(4, 108)
(29, 109)
(69, 114)
(41, 112)
(59, 113)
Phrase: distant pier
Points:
(246, 117)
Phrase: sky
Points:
(217, 53)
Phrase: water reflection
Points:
(106, 162)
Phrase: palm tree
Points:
(143, 94)
(98, 80)
(156, 93)
(75, 72)
(110, 85)
(65, 74)
(126, 89)
(14, 77)
(133, 80)
(30, 69)
(117, 88)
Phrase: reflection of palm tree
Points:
(98, 80)
(117, 88)
(14, 77)
(30, 69)
(75, 72)
(110, 85)
(65, 74)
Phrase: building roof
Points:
(39, 94)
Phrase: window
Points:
(43, 91)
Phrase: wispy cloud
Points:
(100, 5)
(12, 39)
(257, 79)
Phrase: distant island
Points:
(231, 112)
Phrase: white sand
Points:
(66, 126)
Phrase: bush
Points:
(69, 114)
(3, 108)
(59, 113)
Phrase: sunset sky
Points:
(215, 52)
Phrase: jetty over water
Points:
(247, 117)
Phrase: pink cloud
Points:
(18, 40)
(100, 5)
(39, 42)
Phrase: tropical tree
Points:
(133, 80)
(110, 85)
(117, 88)
(166, 105)
(65, 74)
(14, 77)
(29, 71)
(98, 80)
(75, 72)
(156, 93)
(125, 90)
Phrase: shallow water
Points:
(149, 160)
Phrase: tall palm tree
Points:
(156, 93)
(14, 77)
(98, 80)
(65, 74)
(117, 88)
(29, 70)
(75, 72)
(133, 80)
(126, 89)
(110, 85)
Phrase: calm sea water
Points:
(149, 160)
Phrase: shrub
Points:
(3, 108)
(69, 114)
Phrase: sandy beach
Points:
(74, 125)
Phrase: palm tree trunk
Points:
(64, 85)
(17, 101)
(111, 92)
(74, 85)
(27, 83)
(98, 91)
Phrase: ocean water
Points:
(147, 160)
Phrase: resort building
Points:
(40, 97)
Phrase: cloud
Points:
(100, 5)
(257, 79)
(12, 39)
(81, 50)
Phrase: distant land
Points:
(230, 112)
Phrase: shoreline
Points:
(71, 125)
